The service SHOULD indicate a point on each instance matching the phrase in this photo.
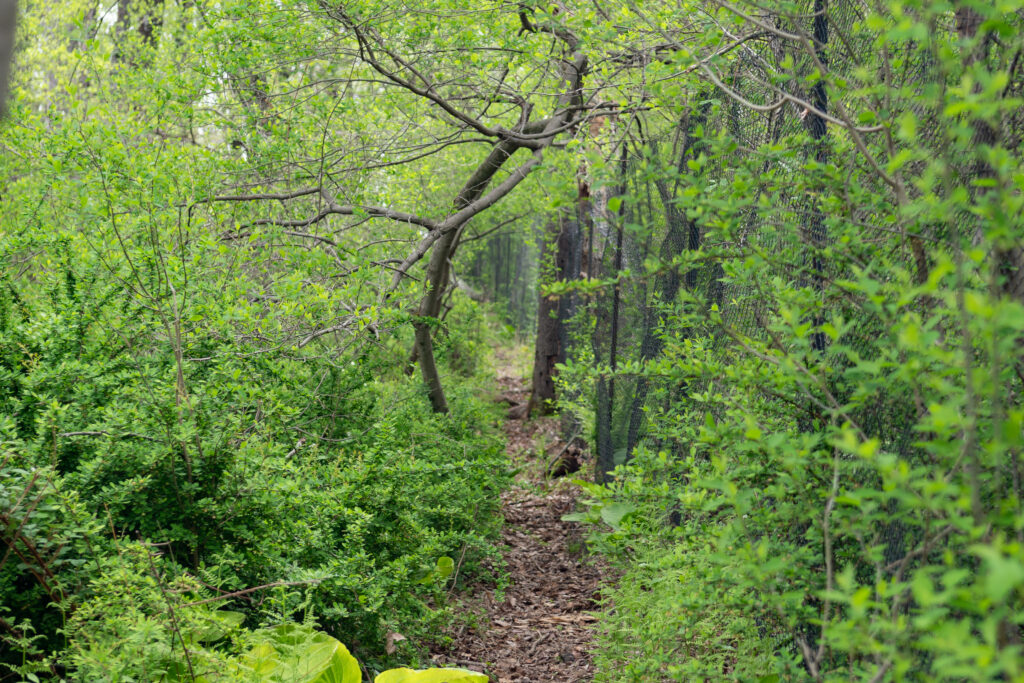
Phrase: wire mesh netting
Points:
(800, 231)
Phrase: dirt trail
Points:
(541, 631)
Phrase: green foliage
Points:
(288, 653)
(298, 654)
(202, 402)
(135, 482)
(370, 523)
(291, 653)
(467, 334)
(204, 328)
(430, 676)
(828, 483)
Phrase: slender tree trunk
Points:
(521, 294)
(145, 15)
(681, 233)
(573, 70)
(1007, 270)
(570, 273)
(430, 306)
(495, 249)
(509, 284)
(579, 238)
(437, 275)
(8, 19)
(605, 461)
(815, 236)
(585, 217)
(1010, 256)
(817, 127)
(549, 349)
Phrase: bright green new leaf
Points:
(221, 623)
(445, 567)
(614, 513)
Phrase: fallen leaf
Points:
(390, 640)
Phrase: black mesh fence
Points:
(792, 228)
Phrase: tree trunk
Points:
(437, 275)
(8, 18)
(609, 322)
(818, 129)
(147, 17)
(681, 233)
(430, 306)
(549, 349)
(437, 271)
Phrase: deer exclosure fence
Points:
(762, 234)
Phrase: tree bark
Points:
(437, 270)
(817, 233)
(605, 461)
(147, 16)
(549, 349)
(437, 275)
(8, 19)
(471, 200)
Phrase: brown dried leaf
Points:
(390, 640)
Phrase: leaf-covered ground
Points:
(540, 628)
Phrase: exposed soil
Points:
(541, 629)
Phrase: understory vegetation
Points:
(256, 255)
(805, 402)
(140, 497)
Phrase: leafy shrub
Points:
(340, 491)
(828, 486)
(288, 653)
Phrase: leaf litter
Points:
(541, 629)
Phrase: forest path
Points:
(540, 630)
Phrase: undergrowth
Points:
(138, 500)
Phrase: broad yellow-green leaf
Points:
(294, 654)
(430, 676)
(262, 660)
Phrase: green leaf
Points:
(445, 567)
(430, 676)
(221, 623)
(441, 571)
(575, 517)
(614, 513)
(262, 660)
(296, 654)
(1005, 573)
